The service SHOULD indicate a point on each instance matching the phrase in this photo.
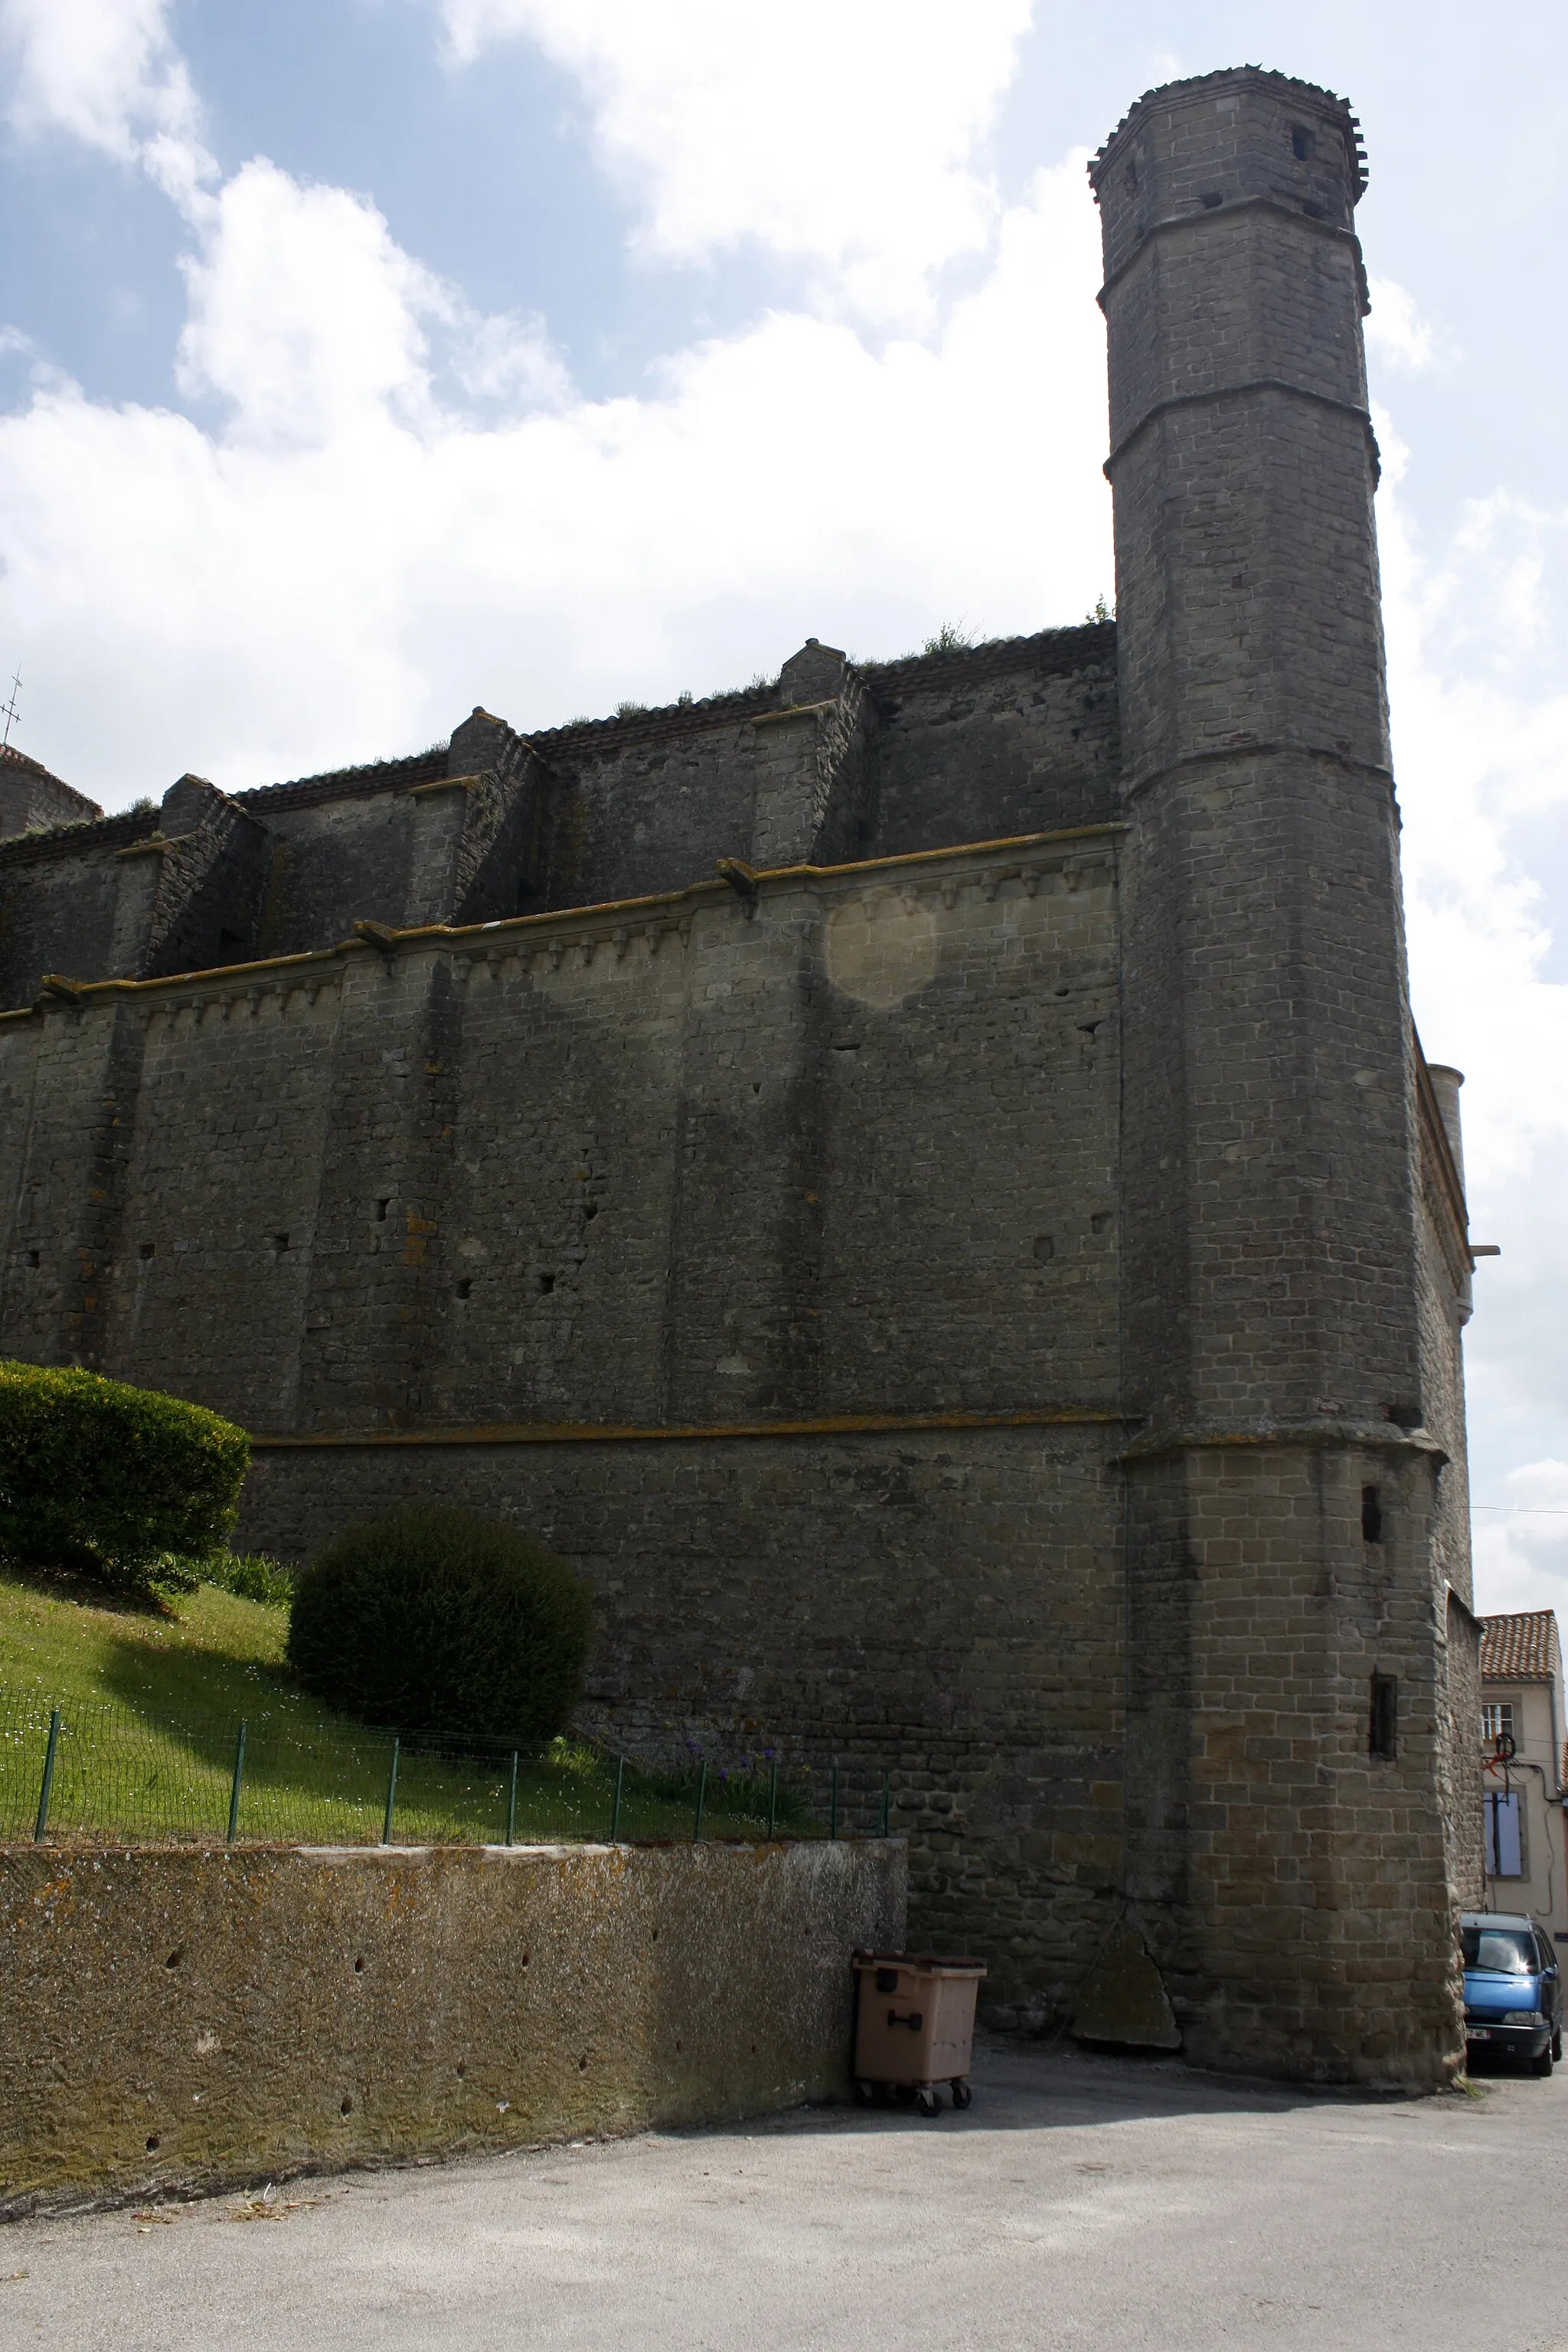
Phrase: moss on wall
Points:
(183, 2019)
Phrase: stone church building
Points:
(919, 1177)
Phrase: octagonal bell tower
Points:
(1286, 1846)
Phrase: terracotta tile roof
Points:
(1522, 1649)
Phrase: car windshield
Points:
(1502, 1949)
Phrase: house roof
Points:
(1521, 1649)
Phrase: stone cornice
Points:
(599, 922)
(862, 1424)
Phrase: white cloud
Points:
(355, 556)
(1522, 1541)
(309, 318)
(508, 360)
(1396, 331)
(304, 312)
(108, 72)
(838, 131)
(1480, 709)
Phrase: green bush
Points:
(435, 1619)
(131, 1486)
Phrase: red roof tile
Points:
(1522, 1649)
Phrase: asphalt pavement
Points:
(1082, 2202)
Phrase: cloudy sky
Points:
(363, 360)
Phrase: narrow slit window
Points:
(1301, 143)
(1371, 1515)
(1384, 1732)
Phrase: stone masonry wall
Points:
(176, 2022)
(841, 1158)
(1004, 739)
(492, 1177)
(939, 1603)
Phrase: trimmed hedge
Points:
(132, 1486)
(435, 1619)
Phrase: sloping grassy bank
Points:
(151, 1707)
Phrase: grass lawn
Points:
(63, 1641)
(151, 1707)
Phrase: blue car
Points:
(1513, 1990)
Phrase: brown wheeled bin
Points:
(914, 2026)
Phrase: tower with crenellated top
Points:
(1288, 1695)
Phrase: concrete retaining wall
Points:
(185, 2020)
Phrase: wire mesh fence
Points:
(105, 1773)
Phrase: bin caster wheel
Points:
(962, 2094)
(865, 2094)
(930, 2102)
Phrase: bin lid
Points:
(928, 1963)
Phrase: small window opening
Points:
(590, 1210)
(546, 1285)
(1045, 1248)
(33, 1254)
(147, 1250)
(279, 1243)
(1371, 1515)
(381, 1209)
(1497, 1723)
(466, 1287)
(1383, 1740)
(1301, 143)
(1100, 1220)
(1213, 202)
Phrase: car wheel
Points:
(1542, 2066)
